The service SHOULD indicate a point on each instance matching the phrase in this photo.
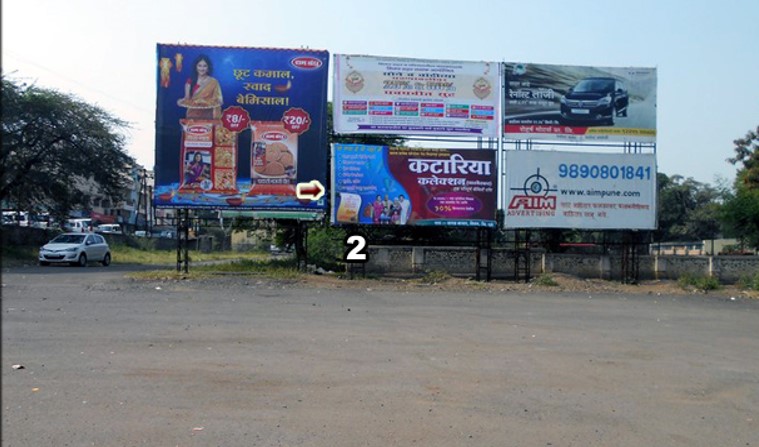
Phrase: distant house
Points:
(708, 247)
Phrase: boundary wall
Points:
(461, 261)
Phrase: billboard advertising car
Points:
(415, 96)
(240, 128)
(547, 189)
(582, 104)
(380, 185)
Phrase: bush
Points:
(545, 280)
(703, 283)
(748, 282)
(326, 247)
(434, 277)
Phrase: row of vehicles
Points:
(82, 225)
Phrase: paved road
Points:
(246, 362)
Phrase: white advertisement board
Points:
(577, 103)
(546, 189)
(415, 96)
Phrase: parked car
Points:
(595, 100)
(40, 220)
(19, 218)
(76, 249)
(78, 225)
(109, 229)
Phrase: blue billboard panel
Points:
(240, 128)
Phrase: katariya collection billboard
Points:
(380, 185)
(240, 128)
(548, 189)
(415, 96)
(579, 104)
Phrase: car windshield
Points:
(68, 239)
(594, 86)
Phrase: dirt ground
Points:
(109, 360)
(563, 284)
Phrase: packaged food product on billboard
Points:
(274, 157)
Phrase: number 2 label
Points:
(356, 251)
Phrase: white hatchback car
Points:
(76, 249)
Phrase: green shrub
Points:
(699, 282)
(749, 282)
(545, 280)
(326, 247)
(434, 277)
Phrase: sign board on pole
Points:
(581, 104)
(546, 189)
(240, 128)
(380, 185)
(384, 95)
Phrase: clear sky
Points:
(706, 53)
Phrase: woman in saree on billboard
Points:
(202, 92)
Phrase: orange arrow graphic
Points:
(312, 190)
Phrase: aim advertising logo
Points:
(536, 195)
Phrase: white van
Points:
(78, 225)
(20, 218)
(109, 229)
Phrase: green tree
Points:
(747, 153)
(58, 150)
(741, 210)
(688, 210)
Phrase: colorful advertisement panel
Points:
(582, 104)
(380, 185)
(415, 96)
(240, 128)
(580, 190)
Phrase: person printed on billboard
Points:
(196, 171)
(387, 210)
(377, 209)
(395, 214)
(405, 208)
(202, 92)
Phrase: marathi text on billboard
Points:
(415, 96)
(580, 104)
(239, 128)
(580, 190)
(380, 185)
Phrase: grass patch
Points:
(19, 255)
(16, 256)
(545, 280)
(123, 254)
(434, 277)
(703, 283)
(748, 282)
(277, 269)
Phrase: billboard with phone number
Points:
(546, 189)
(240, 128)
(380, 185)
(579, 104)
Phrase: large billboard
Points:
(380, 185)
(240, 128)
(546, 189)
(415, 96)
(581, 104)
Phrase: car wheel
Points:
(106, 260)
(82, 260)
(44, 263)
